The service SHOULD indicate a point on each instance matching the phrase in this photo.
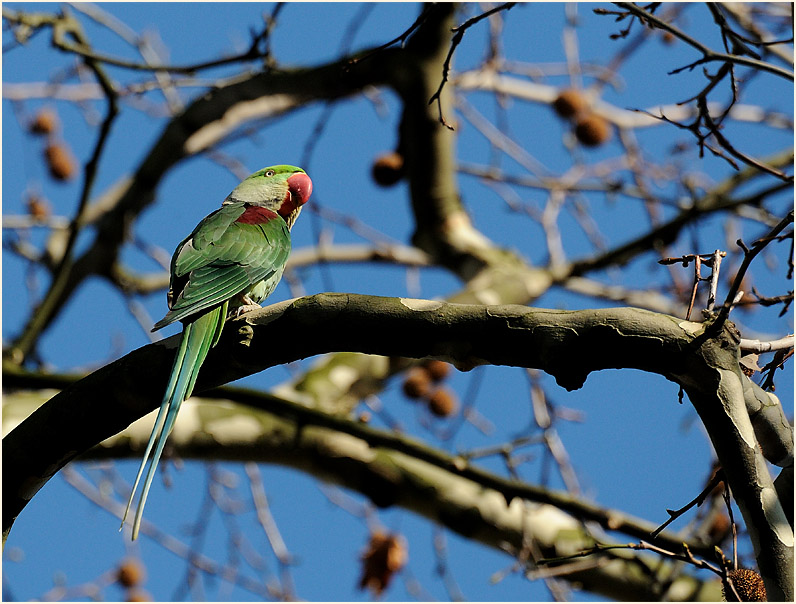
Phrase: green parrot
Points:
(230, 263)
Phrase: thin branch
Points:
(715, 131)
(760, 347)
(455, 41)
(195, 559)
(65, 25)
(713, 261)
(401, 38)
(778, 362)
(264, 516)
(708, 54)
(598, 548)
(26, 342)
(697, 501)
(749, 255)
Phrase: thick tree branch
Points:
(277, 429)
(496, 276)
(394, 470)
(566, 344)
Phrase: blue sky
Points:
(638, 449)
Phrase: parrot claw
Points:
(245, 308)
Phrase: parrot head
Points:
(282, 189)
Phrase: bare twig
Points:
(63, 25)
(675, 514)
(715, 131)
(401, 38)
(711, 260)
(195, 559)
(455, 41)
(749, 255)
(778, 362)
(708, 55)
(26, 342)
(601, 548)
(760, 347)
(714, 278)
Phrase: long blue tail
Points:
(198, 337)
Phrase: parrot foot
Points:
(244, 309)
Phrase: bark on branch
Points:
(566, 344)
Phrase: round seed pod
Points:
(720, 528)
(437, 370)
(38, 207)
(45, 122)
(443, 403)
(59, 161)
(592, 130)
(388, 169)
(570, 102)
(748, 584)
(130, 573)
(417, 383)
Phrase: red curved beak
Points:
(300, 187)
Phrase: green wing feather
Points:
(223, 258)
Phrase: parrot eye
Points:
(269, 172)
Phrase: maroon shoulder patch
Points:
(256, 215)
